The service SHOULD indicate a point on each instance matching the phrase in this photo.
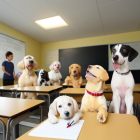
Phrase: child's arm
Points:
(3, 69)
(14, 74)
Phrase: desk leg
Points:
(15, 132)
(41, 113)
(4, 129)
(8, 130)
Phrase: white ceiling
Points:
(85, 18)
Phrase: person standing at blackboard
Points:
(8, 69)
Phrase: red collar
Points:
(94, 94)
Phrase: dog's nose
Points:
(66, 113)
(89, 66)
(74, 71)
(115, 57)
(31, 62)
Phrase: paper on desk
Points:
(58, 130)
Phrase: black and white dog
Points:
(122, 82)
(43, 78)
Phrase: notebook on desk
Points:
(59, 130)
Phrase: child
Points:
(8, 69)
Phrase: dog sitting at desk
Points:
(93, 99)
(55, 75)
(75, 79)
(28, 77)
(122, 82)
(43, 78)
(66, 107)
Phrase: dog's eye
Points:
(97, 67)
(77, 67)
(71, 67)
(113, 51)
(124, 50)
(27, 58)
(69, 104)
(60, 106)
(55, 65)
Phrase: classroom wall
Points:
(32, 46)
(108, 39)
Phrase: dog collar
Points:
(75, 77)
(126, 73)
(94, 94)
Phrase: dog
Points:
(43, 78)
(93, 99)
(28, 77)
(122, 82)
(74, 78)
(66, 107)
(54, 74)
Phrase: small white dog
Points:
(67, 107)
(122, 82)
(54, 74)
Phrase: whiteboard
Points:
(16, 46)
(50, 57)
(135, 64)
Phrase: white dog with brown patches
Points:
(122, 82)
(66, 107)
(28, 77)
(93, 99)
(54, 74)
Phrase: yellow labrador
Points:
(93, 99)
(28, 77)
(74, 77)
(67, 107)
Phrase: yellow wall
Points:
(32, 46)
(116, 38)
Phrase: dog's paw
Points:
(53, 120)
(73, 121)
(65, 84)
(101, 118)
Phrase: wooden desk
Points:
(70, 85)
(77, 94)
(117, 127)
(11, 89)
(16, 110)
(41, 90)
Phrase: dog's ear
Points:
(112, 46)
(36, 67)
(104, 76)
(60, 65)
(80, 69)
(70, 69)
(51, 66)
(132, 55)
(53, 106)
(74, 104)
(21, 65)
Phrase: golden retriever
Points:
(74, 77)
(28, 77)
(93, 99)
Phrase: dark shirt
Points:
(9, 67)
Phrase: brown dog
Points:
(74, 78)
(93, 99)
(28, 77)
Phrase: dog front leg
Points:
(22, 96)
(102, 115)
(76, 117)
(116, 102)
(52, 118)
(129, 103)
(84, 108)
